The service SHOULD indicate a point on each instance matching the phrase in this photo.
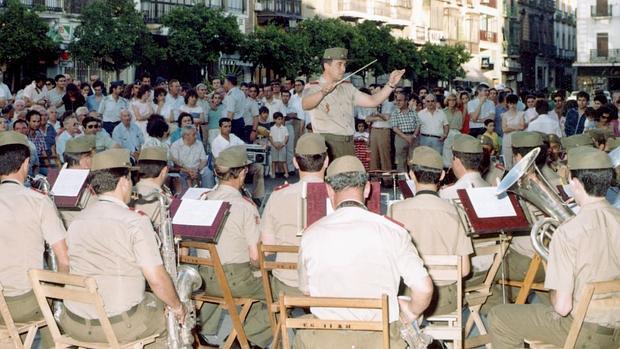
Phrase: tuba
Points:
(525, 180)
(185, 278)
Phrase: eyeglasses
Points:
(428, 101)
(558, 100)
(91, 126)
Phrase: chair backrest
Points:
(585, 301)
(6, 317)
(266, 265)
(497, 250)
(349, 325)
(49, 284)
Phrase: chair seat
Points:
(203, 297)
(443, 318)
(64, 339)
(540, 345)
(22, 326)
(444, 332)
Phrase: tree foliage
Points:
(23, 36)
(113, 35)
(443, 62)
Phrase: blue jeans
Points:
(432, 142)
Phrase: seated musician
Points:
(78, 155)
(466, 158)
(22, 233)
(153, 164)
(585, 248)
(433, 223)
(237, 248)
(280, 221)
(118, 247)
(355, 253)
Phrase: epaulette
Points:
(141, 213)
(281, 186)
(393, 221)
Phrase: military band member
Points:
(583, 139)
(29, 220)
(356, 253)
(331, 104)
(433, 223)
(280, 221)
(495, 170)
(525, 141)
(585, 248)
(466, 158)
(118, 247)
(237, 248)
(153, 164)
(78, 155)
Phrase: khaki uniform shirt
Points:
(586, 248)
(356, 253)
(281, 220)
(112, 243)
(28, 220)
(469, 180)
(335, 112)
(149, 206)
(88, 198)
(241, 229)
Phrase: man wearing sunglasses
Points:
(103, 141)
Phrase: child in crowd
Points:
(590, 119)
(489, 124)
(263, 117)
(278, 138)
(360, 139)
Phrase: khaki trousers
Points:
(278, 286)
(242, 284)
(24, 308)
(380, 149)
(145, 319)
(258, 180)
(510, 324)
(338, 145)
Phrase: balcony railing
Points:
(488, 36)
(282, 7)
(601, 11)
(69, 6)
(154, 10)
(605, 56)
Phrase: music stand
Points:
(65, 202)
(200, 233)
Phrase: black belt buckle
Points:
(426, 135)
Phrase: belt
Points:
(409, 133)
(339, 138)
(599, 329)
(95, 322)
(427, 135)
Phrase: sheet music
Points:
(195, 193)
(69, 182)
(567, 190)
(488, 205)
(197, 212)
(411, 185)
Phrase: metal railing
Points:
(601, 11)
(285, 7)
(605, 56)
(488, 36)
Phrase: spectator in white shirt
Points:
(234, 104)
(480, 109)
(174, 100)
(191, 158)
(278, 138)
(293, 124)
(434, 125)
(36, 92)
(545, 123)
(273, 104)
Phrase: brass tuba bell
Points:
(525, 180)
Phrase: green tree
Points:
(198, 35)
(443, 62)
(113, 35)
(23, 36)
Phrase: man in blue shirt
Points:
(111, 105)
(128, 134)
(576, 118)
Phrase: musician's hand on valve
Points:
(180, 313)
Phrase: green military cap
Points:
(111, 158)
(310, 144)
(553, 138)
(235, 156)
(577, 141)
(336, 53)
(587, 158)
(427, 157)
(12, 137)
(466, 144)
(82, 144)
(486, 140)
(154, 153)
(600, 134)
(347, 163)
(612, 143)
(525, 139)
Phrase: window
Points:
(602, 45)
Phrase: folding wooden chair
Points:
(287, 302)
(447, 326)
(10, 331)
(585, 303)
(476, 296)
(227, 301)
(265, 268)
(49, 284)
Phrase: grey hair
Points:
(345, 180)
(186, 130)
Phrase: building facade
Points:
(598, 45)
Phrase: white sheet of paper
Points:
(197, 212)
(411, 185)
(567, 190)
(195, 193)
(69, 182)
(488, 205)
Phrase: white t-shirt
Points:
(274, 106)
(432, 124)
(220, 143)
(546, 124)
(487, 111)
(278, 133)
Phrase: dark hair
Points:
(99, 83)
(310, 163)
(471, 161)
(85, 84)
(145, 75)
(151, 168)
(73, 159)
(181, 116)
(19, 121)
(277, 115)
(583, 94)
(143, 89)
(590, 112)
(190, 93)
(103, 181)
(223, 120)
(303, 83)
(529, 97)
(596, 182)
(541, 159)
(286, 91)
(263, 109)
(501, 97)
(542, 106)
(232, 79)
(512, 99)
(157, 92)
(30, 113)
(156, 126)
(88, 119)
(488, 121)
(560, 94)
(12, 156)
(600, 98)
(228, 173)
(58, 77)
(426, 175)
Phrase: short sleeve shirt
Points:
(487, 111)
(432, 123)
(234, 102)
(278, 133)
(188, 155)
(335, 113)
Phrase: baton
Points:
(355, 72)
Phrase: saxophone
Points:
(185, 278)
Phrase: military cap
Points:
(612, 143)
(111, 158)
(600, 134)
(154, 153)
(12, 137)
(525, 139)
(235, 156)
(466, 144)
(588, 158)
(82, 144)
(310, 144)
(427, 157)
(347, 163)
(577, 141)
(336, 53)
(553, 138)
